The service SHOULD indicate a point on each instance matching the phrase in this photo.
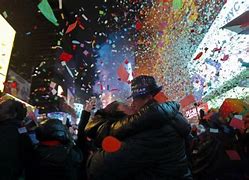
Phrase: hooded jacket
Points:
(153, 146)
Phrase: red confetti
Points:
(71, 27)
(101, 87)
(114, 90)
(138, 26)
(225, 58)
(217, 49)
(14, 85)
(111, 144)
(198, 56)
(65, 57)
(126, 61)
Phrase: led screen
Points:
(7, 36)
(222, 53)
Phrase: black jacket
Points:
(99, 126)
(56, 162)
(153, 146)
(15, 149)
(56, 156)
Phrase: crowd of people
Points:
(156, 143)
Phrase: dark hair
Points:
(112, 107)
(111, 110)
(12, 109)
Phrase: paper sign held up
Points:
(237, 123)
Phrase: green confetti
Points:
(101, 12)
(177, 4)
(47, 11)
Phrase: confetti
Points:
(65, 57)
(111, 144)
(47, 11)
(198, 56)
(71, 27)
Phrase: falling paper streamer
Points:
(5, 15)
(75, 42)
(71, 27)
(225, 58)
(198, 56)
(177, 4)
(60, 4)
(69, 71)
(47, 11)
(83, 15)
(65, 57)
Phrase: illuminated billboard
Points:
(222, 53)
(7, 36)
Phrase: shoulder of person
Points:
(167, 106)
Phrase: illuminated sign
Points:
(191, 113)
(222, 52)
(7, 36)
(22, 86)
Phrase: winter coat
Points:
(99, 126)
(56, 162)
(56, 156)
(14, 151)
(210, 158)
(153, 146)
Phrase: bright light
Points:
(210, 72)
(9, 96)
(7, 36)
(237, 92)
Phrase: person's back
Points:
(56, 162)
(55, 157)
(14, 141)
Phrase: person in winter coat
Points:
(153, 140)
(92, 131)
(14, 140)
(56, 156)
(98, 127)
